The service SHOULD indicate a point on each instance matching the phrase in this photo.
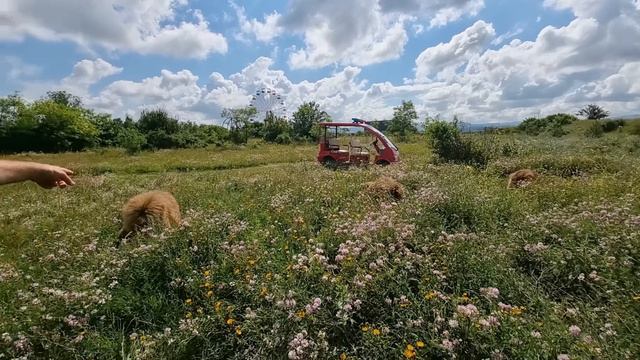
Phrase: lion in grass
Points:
(521, 178)
(140, 210)
(385, 186)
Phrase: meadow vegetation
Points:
(281, 258)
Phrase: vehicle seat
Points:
(357, 148)
(334, 145)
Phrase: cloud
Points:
(563, 68)
(362, 32)
(88, 72)
(506, 36)
(263, 31)
(144, 26)
(444, 58)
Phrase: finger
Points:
(67, 171)
(67, 179)
(62, 184)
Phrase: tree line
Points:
(60, 122)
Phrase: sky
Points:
(482, 60)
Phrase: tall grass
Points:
(281, 258)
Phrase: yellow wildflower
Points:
(301, 314)
(409, 352)
(376, 332)
(516, 310)
(431, 295)
(419, 344)
(188, 301)
(207, 285)
(252, 262)
(365, 328)
(207, 273)
(209, 293)
(188, 315)
(230, 321)
(218, 306)
(636, 298)
(238, 331)
(343, 356)
(264, 292)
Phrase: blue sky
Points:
(483, 60)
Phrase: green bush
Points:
(594, 130)
(553, 124)
(449, 146)
(132, 140)
(613, 125)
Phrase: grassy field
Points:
(280, 258)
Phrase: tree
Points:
(593, 112)
(64, 98)
(306, 120)
(403, 120)
(237, 120)
(276, 129)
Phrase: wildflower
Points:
(365, 328)
(343, 356)
(448, 344)
(453, 324)
(490, 292)
(209, 293)
(468, 310)
(574, 330)
(200, 311)
(238, 331)
(207, 285)
(431, 295)
(536, 334)
(207, 273)
(188, 315)
(420, 344)
(636, 297)
(188, 301)
(376, 332)
(409, 352)
(517, 310)
(563, 357)
(300, 314)
(230, 321)
(489, 322)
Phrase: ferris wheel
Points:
(267, 101)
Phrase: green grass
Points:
(269, 231)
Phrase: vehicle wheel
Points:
(330, 163)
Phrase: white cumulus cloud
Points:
(143, 26)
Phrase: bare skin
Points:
(45, 175)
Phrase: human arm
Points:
(45, 175)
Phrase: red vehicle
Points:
(334, 150)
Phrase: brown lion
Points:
(141, 209)
(385, 186)
(521, 178)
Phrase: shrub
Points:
(613, 125)
(131, 140)
(449, 146)
(594, 130)
(552, 123)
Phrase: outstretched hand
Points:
(50, 176)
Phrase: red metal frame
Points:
(385, 151)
